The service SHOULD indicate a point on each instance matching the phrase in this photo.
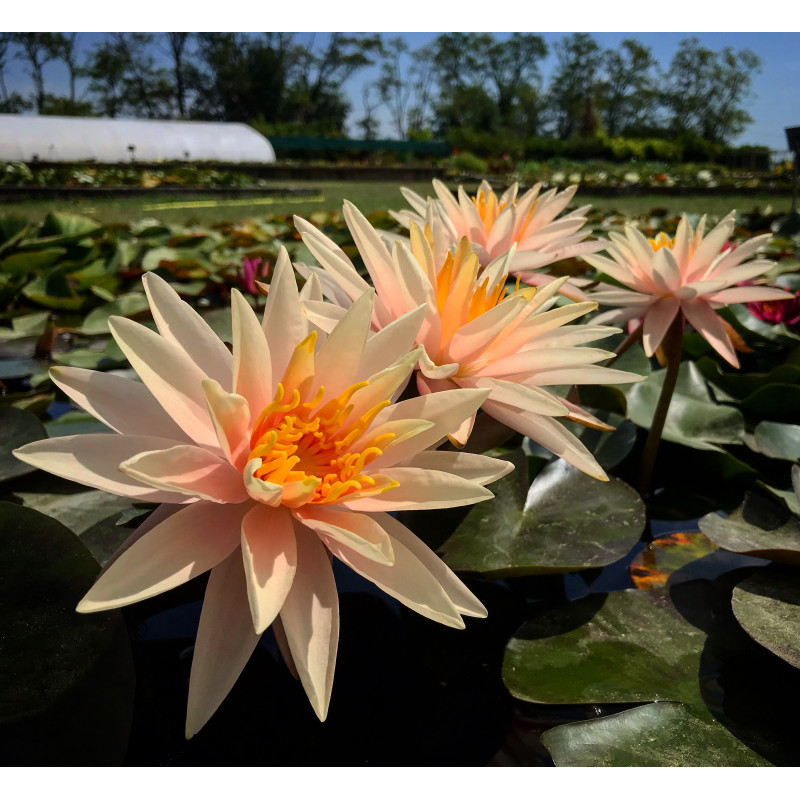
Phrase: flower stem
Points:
(672, 347)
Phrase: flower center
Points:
(488, 207)
(661, 240)
(310, 443)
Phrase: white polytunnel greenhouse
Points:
(114, 141)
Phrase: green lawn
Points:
(204, 209)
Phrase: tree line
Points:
(292, 83)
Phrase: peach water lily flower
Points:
(493, 225)
(475, 334)
(267, 461)
(693, 273)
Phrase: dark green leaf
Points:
(67, 678)
(767, 605)
(694, 419)
(126, 305)
(778, 440)
(17, 427)
(653, 735)
(565, 521)
(23, 263)
(759, 527)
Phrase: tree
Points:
(67, 53)
(628, 93)
(513, 69)
(39, 49)
(573, 87)
(106, 67)
(704, 90)
(10, 102)
(368, 124)
(393, 89)
(177, 46)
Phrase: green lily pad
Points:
(126, 305)
(694, 419)
(735, 386)
(777, 401)
(778, 440)
(767, 605)
(67, 678)
(25, 325)
(565, 521)
(60, 223)
(75, 422)
(653, 735)
(759, 528)
(34, 261)
(103, 355)
(634, 647)
(17, 427)
(219, 320)
(17, 368)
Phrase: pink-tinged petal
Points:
(620, 297)
(416, 201)
(181, 325)
(358, 532)
(576, 334)
(583, 417)
(569, 290)
(548, 433)
(683, 241)
(703, 319)
(338, 359)
(709, 248)
(420, 489)
(383, 385)
(666, 271)
(376, 258)
(270, 561)
(748, 294)
(270, 494)
(451, 208)
(126, 406)
(446, 410)
(310, 617)
(476, 335)
(742, 251)
(591, 373)
(324, 316)
(312, 288)
(164, 511)
(230, 415)
(252, 366)
(471, 467)
(435, 371)
(531, 361)
(400, 429)
(657, 321)
(170, 375)
(390, 344)
(460, 435)
(189, 470)
(422, 251)
(93, 459)
(225, 642)
(526, 398)
(185, 545)
(336, 264)
(407, 579)
(745, 272)
(463, 599)
(283, 648)
(284, 322)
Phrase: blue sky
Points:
(774, 104)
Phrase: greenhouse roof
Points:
(43, 138)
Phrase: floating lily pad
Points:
(767, 605)
(565, 521)
(25, 325)
(97, 356)
(17, 368)
(778, 440)
(694, 419)
(634, 647)
(17, 427)
(126, 305)
(75, 422)
(67, 678)
(653, 735)
(758, 527)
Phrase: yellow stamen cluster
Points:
(488, 207)
(661, 240)
(309, 444)
(463, 267)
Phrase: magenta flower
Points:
(775, 311)
(253, 268)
